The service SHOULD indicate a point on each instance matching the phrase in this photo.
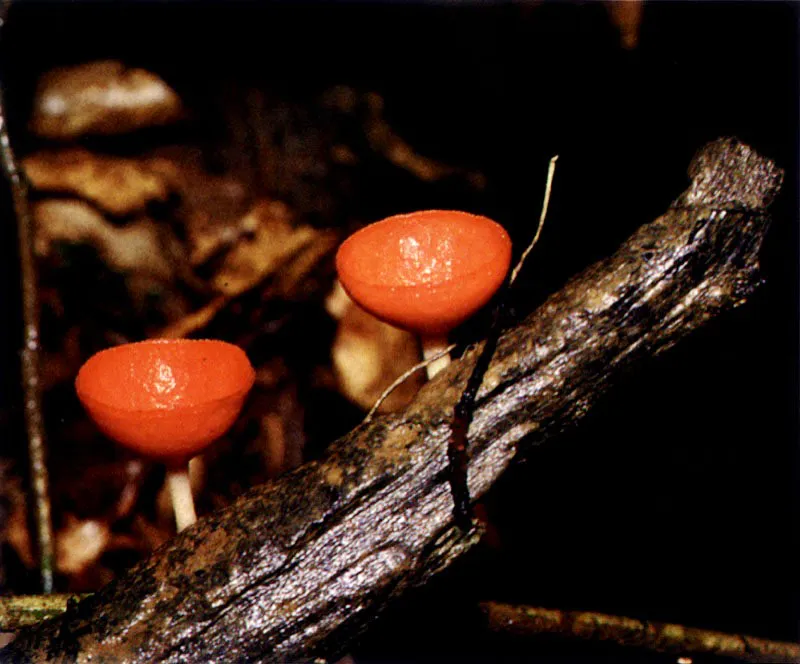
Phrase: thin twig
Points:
(662, 637)
(551, 170)
(404, 376)
(31, 384)
(465, 407)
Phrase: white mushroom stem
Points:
(180, 491)
(431, 347)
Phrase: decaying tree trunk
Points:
(298, 566)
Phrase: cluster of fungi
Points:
(168, 399)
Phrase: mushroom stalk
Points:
(431, 347)
(180, 491)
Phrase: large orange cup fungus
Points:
(167, 399)
(426, 271)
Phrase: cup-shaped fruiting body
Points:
(426, 271)
(166, 398)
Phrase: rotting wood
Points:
(519, 621)
(523, 622)
(16, 612)
(532, 621)
(299, 566)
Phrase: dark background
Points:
(676, 500)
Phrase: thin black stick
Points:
(462, 418)
(465, 407)
(31, 384)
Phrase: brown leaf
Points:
(80, 543)
(208, 239)
(135, 247)
(368, 355)
(118, 186)
(213, 207)
(273, 243)
(277, 257)
(103, 97)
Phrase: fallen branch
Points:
(23, 610)
(299, 566)
(520, 621)
(529, 621)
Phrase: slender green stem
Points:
(31, 383)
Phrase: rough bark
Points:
(298, 566)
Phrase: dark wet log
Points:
(299, 566)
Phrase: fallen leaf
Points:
(117, 185)
(272, 243)
(80, 543)
(213, 207)
(103, 97)
(135, 247)
(368, 355)
(277, 257)
(209, 240)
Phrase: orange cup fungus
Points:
(427, 271)
(166, 398)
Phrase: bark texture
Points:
(297, 567)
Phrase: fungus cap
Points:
(425, 271)
(166, 398)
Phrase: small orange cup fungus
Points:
(426, 271)
(167, 399)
